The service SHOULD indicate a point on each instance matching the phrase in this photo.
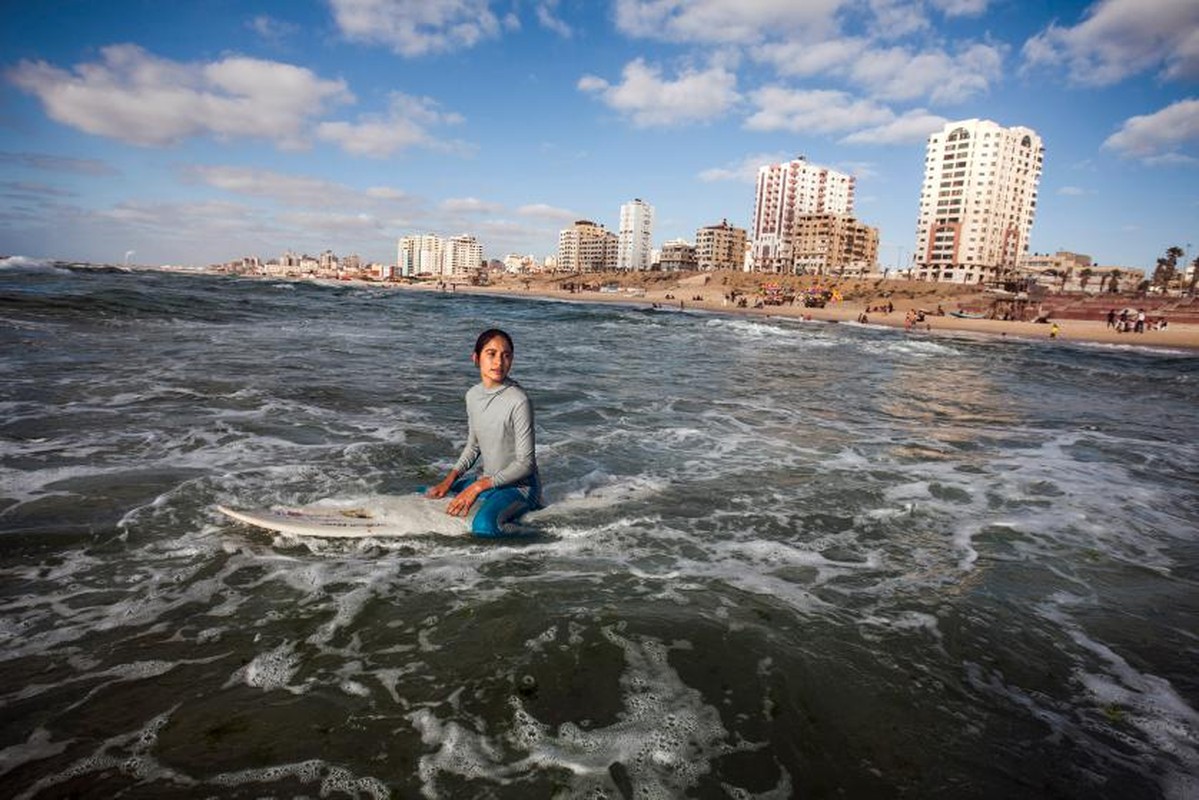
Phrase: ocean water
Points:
(781, 559)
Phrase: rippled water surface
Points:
(780, 559)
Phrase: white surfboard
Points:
(406, 516)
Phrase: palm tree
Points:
(1194, 276)
(1113, 283)
(1084, 278)
(1167, 268)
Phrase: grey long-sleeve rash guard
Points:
(501, 430)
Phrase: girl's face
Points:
(494, 360)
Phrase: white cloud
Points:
(649, 100)
(727, 21)
(1072, 191)
(744, 170)
(899, 74)
(813, 111)
(803, 58)
(380, 135)
(912, 127)
(418, 27)
(1157, 138)
(272, 30)
(961, 8)
(293, 190)
(549, 20)
(544, 211)
(385, 193)
(896, 18)
(469, 205)
(137, 98)
(1120, 38)
(892, 73)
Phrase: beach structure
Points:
(978, 201)
(636, 236)
(677, 255)
(720, 246)
(833, 244)
(586, 247)
(427, 254)
(785, 192)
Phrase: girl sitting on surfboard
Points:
(500, 430)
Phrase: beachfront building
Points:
(463, 256)
(427, 254)
(677, 255)
(419, 254)
(720, 247)
(978, 201)
(586, 247)
(1064, 271)
(833, 244)
(636, 236)
(783, 193)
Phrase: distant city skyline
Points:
(346, 124)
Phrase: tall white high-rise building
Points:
(636, 236)
(786, 192)
(419, 254)
(463, 255)
(426, 254)
(978, 201)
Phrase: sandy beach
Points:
(710, 292)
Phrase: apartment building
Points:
(586, 247)
(636, 236)
(785, 192)
(833, 244)
(463, 255)
(720, 247)
(978, 201)
(677, 255)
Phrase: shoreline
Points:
(680, 296)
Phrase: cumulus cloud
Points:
(892, 73)
(1159, 138)
(899, 74)
(909, 128)
(744, 170)
(138, 98)
(418, 27)
(405, 125)
(801, 59)
(813, 111)
(726, 21)
(649, 100)
(1120, 38)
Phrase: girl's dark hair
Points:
(489, 334)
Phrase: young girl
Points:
(501, 431)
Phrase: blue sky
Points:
(191, 133)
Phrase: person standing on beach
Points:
(1054, 329)
(1111, 318)
(500, 430)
